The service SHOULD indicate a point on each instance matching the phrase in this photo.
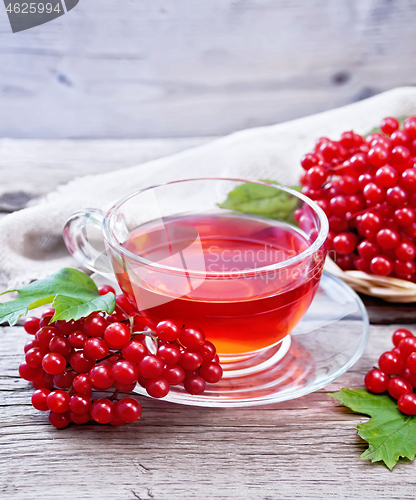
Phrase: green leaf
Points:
(260, 199)
(389, 433)
(73, 294)
(67, 308)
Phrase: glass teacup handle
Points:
(83, 236)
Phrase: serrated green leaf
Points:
(259, 199)
(74, 288)
(67, 308)
(389, 433)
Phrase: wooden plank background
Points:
(301, 449)
(174, 68)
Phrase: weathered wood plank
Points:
(37, 167)
(306, 448)
(163, 69)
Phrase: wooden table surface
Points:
(304, 448)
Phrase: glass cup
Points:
(244, 270)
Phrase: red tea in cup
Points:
(239, 309)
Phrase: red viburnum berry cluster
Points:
(68, 360)
(367, 188)
(397, 372)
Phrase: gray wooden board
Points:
(184, 68)
(306, 448)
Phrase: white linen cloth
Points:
(31, 239)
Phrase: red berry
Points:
(157, 387)
(409, 376)
(45, 381)
(400, 138)
(316, 176)
(82, 384)
(359, 165)
(103, 411)
(309, 160)
(347, 140)
(388, 238)
(125, 305)
(193, 338)
(381, 265)
(96, 348)
(117, 335)
(125, 388)
(400, 334)
(168, 330)
(104, 289)
(404, 216)
(79, 419)
(339, 205)
(408, 179)
(134, 351)
(63, 380)
(407, 404)
(174, 374)
(169, 354)
(46, 321)
(125, 372)
(128, 409)
(31, 325)
(31, 344)
(66, 327)
(101, 377)
(116, 317)
(345, 243)
(190, 360)
(404, 269)
(409, 125)
(407, 346)
(80, 403)
(389, 125)
(208, 351)
(151, 366)
(94, 325)
(386, 177)
(211, 372)
(398, 386)
(337, 224)
(77, 339)
(390, 363)
(60, 344)
(194, 385)
(44, 335)
(39, 399)
(35, 356)
(59, 420)
(370, 221)
(29, 373)
(58, 401)
(80, 362)
(376, 381)
(368, 249)
(53, 363)
(396, 196)
(378, 156)
(373, 193)
(48, 312)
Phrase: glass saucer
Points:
(329, 339)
